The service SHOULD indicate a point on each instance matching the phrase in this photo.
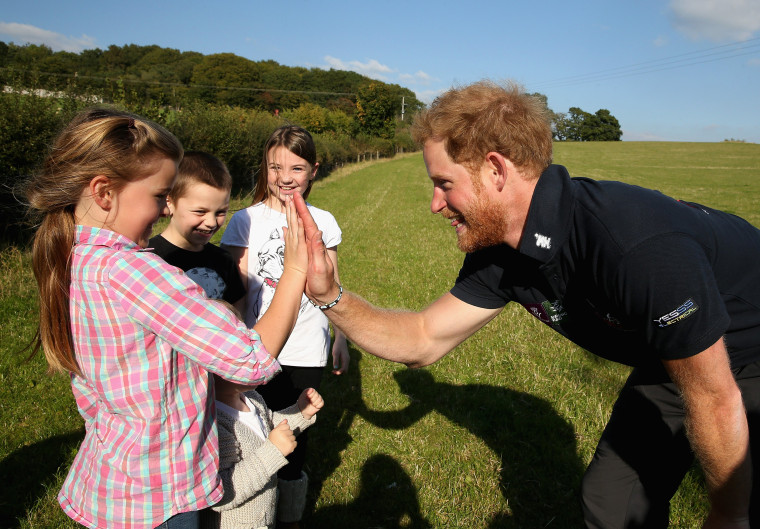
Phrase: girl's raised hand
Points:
(296, 247)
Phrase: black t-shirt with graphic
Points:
(212, 268)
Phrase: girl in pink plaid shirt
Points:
(136, 335)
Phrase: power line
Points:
(717, 53)
(739, 45)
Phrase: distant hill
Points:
(169, 77)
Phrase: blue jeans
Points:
(183, 520)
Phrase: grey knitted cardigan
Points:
(248, 468)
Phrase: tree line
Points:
(173, 78)
(579, 125)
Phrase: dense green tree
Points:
(90, 62)
(158, 64)
(285, 84)
(584, 126)
(609, 127)
(575, 120)
(227, 79)
(309, 116)
(118, 60)
(317, 119)
(165, 74)
(338, 122)
(30, 56)
(375, 110)
(63, 62)
(559, 126)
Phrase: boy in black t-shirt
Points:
(198, 205)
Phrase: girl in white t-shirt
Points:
(254, 239)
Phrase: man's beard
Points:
(484, 226)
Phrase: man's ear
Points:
(498, 169)
(101, 192)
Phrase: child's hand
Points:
(296, 249)
(282, 437)
(310, 402)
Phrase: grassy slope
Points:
(494, 435)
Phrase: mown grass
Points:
(496, 434)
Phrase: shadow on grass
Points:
(541, 471)
(28, 471)
(387, 499)
(330, 435)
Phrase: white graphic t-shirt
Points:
(259, 228)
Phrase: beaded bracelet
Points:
(332, 303)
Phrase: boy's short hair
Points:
(200, 167)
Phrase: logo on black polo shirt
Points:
(550, 312)
(542, 241)
(686, 309)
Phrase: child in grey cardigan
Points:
(253, 443)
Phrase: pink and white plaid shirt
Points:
(145, 338)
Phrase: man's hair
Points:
(199, 167)
(486, 117)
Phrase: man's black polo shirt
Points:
(627, 273)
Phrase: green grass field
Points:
(496, 434)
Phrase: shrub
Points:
(332, 150)
(28, 123)
(236, 136)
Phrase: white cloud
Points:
(376, 70)
(660, 41)
(716, 20)
(419, 77)
(24, 33)
(427, 96)
(371, 68)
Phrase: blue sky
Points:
(671, 70)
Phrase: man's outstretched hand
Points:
(320, 277)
